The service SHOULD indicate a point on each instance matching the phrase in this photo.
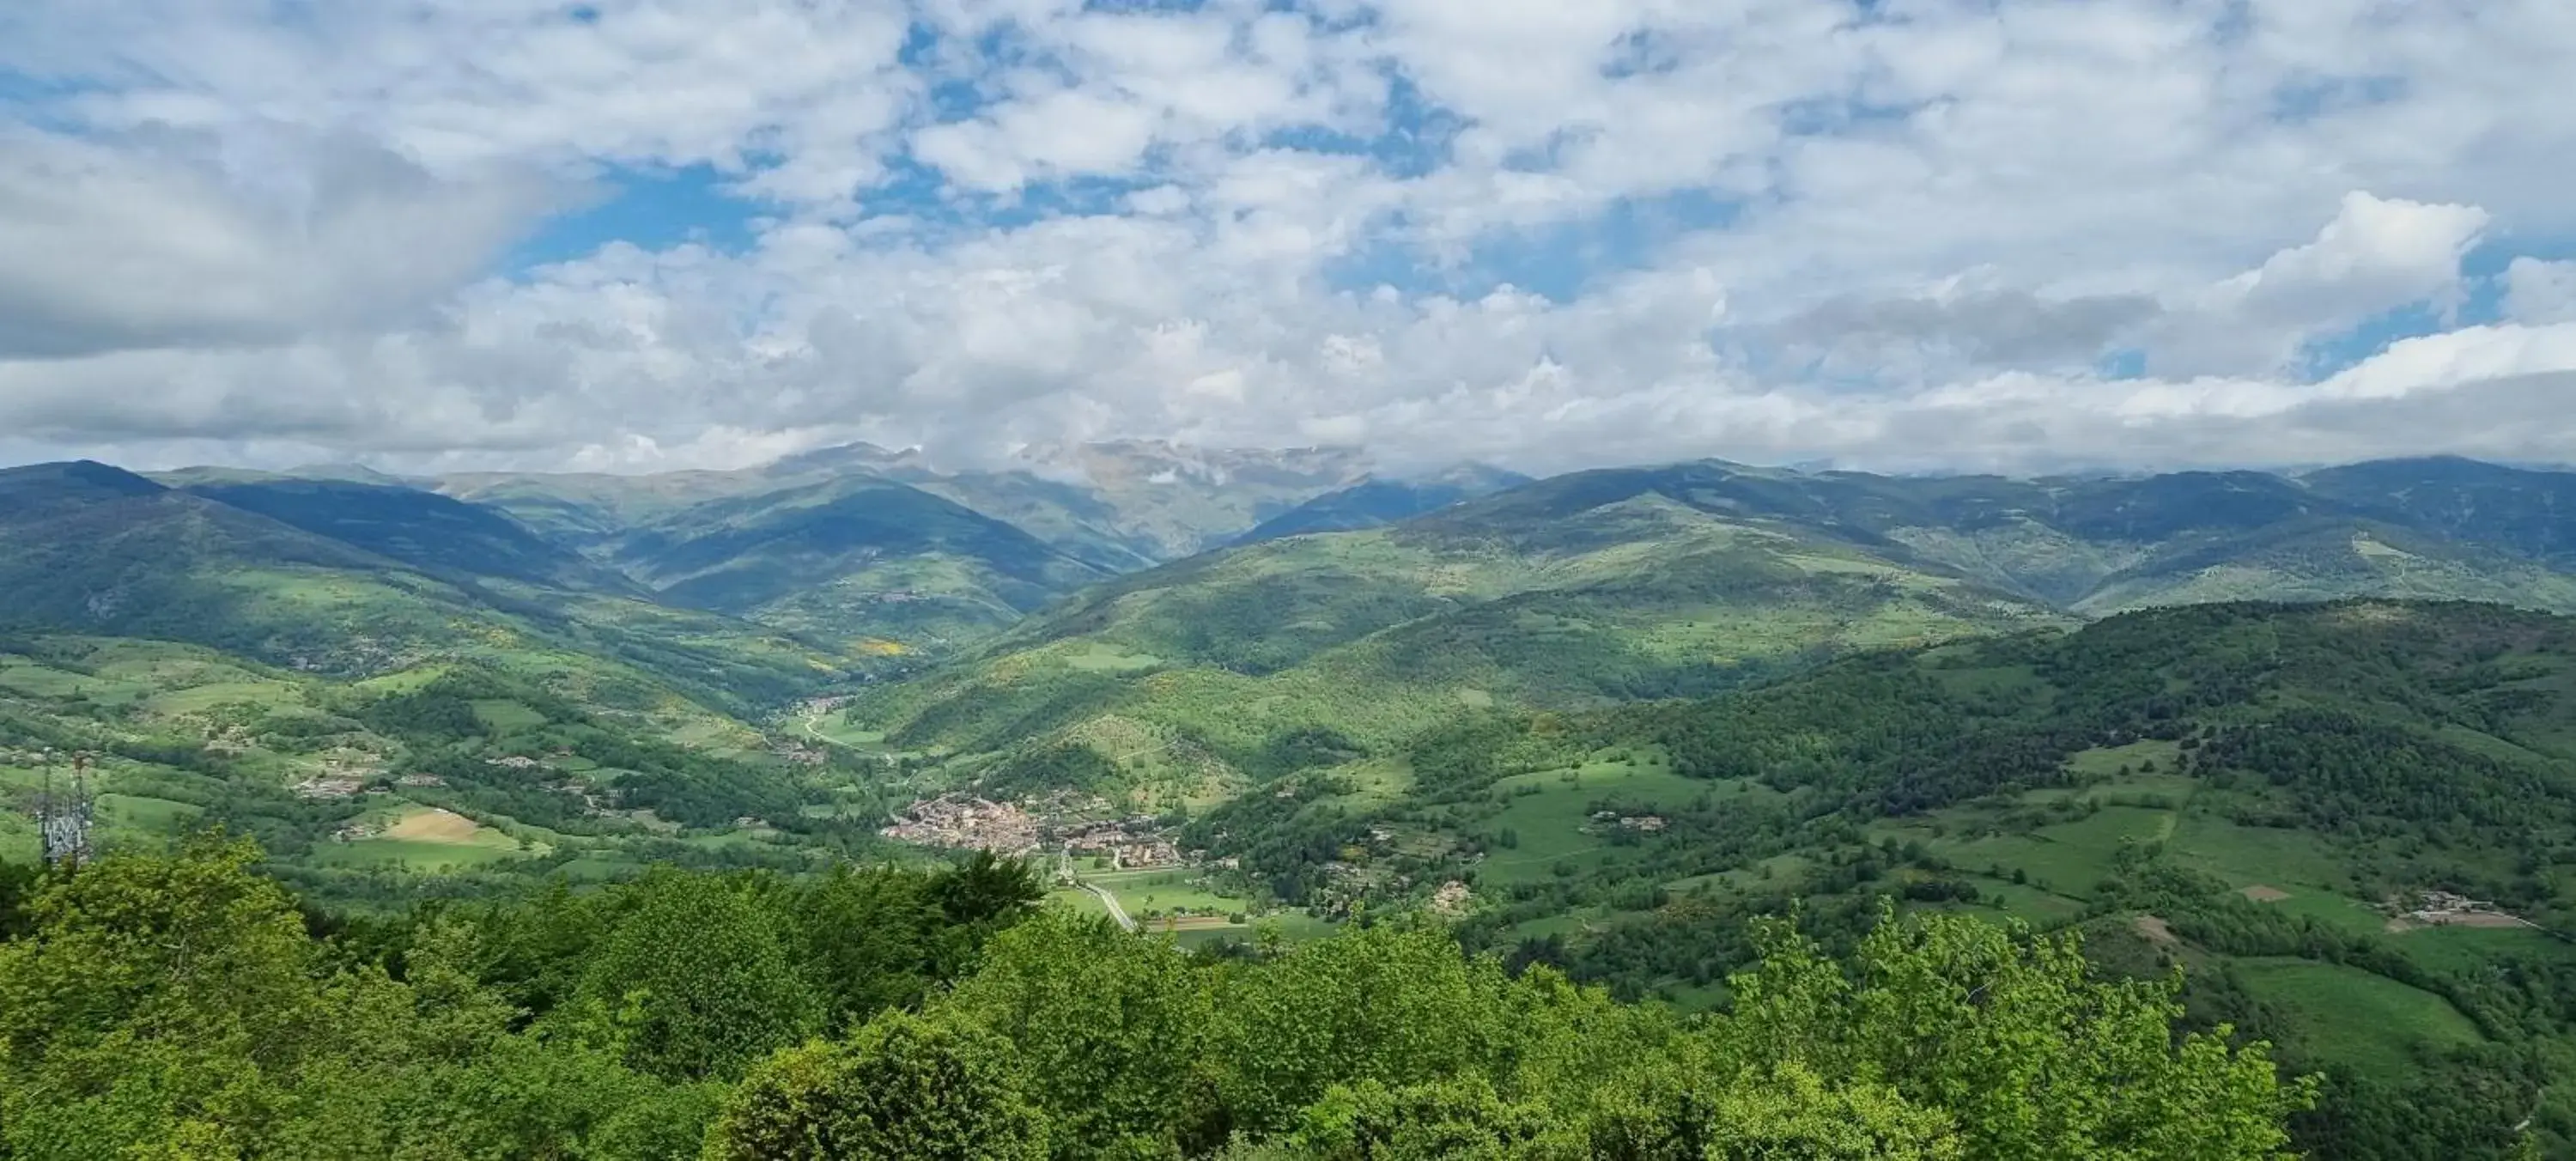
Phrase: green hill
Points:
(1631, 583)
(434, 533)
(1376, 635)
(2530, 513)
(2096, 546)
(1380, 501)
(854, 559)
(444, 778)
(99, 551)
(2280, 797)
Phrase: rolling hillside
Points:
(1631, 583)
(100, 551)
(2298, 802)
(443, 778)
(1215, 661)
(860, 560)
(2097, 546)
(860, 544)
(1374, 502)
(2530, 513)
(433, 533)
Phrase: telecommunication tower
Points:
(64, 818)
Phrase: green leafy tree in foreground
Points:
(697, 980)
(904, 1088)
(2004, 1031)
(157, 1004)
(1787, 1111)
(1110, 1028)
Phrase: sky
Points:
(634, 235)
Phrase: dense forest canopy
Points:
(182, 1005)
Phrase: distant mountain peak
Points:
(859, 456)
(353, 473)
(1159, 462)
(70, 480)
(1377, 500)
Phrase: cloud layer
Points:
(2017, 234)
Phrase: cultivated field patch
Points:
(2376, 1025)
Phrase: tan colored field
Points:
(1187, 923)
(2477, 919)
(2262, 894)
(434, 826)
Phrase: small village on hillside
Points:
(1064, 822)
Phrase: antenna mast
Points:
(65, 821)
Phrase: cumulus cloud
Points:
(2540, 292)
(2005, 325)
(181, 240)
(1913, 233)
(2375, 256)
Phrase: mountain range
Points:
(2244, 722)
(1177, 624)
(1248, 565)
(1609, 585)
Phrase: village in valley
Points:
(1129, 866)
(1076, 826)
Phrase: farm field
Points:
(425, 839)
(1547, 813)
(2375, 1025)
(1148, 894)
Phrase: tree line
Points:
(182, 1005)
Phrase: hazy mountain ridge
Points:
(2099, 545)
(1376, 501)
(98, 550)
(932, 559)
(859, 557)
(422, 529)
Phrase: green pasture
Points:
(1143, 892)
(2369, 1023)
(2247, 856)
(507, 716)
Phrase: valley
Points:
(2310, 739)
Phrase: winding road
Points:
(812, 721)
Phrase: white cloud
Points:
(2540, 292)
(176, 240)
(1766, 229)
(2375, 256)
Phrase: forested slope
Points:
(2286, 798)
(100, 551)
(448, 778)
(181, 1006)
(1379, 634)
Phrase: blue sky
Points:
(1994, 234)
(654, 209)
